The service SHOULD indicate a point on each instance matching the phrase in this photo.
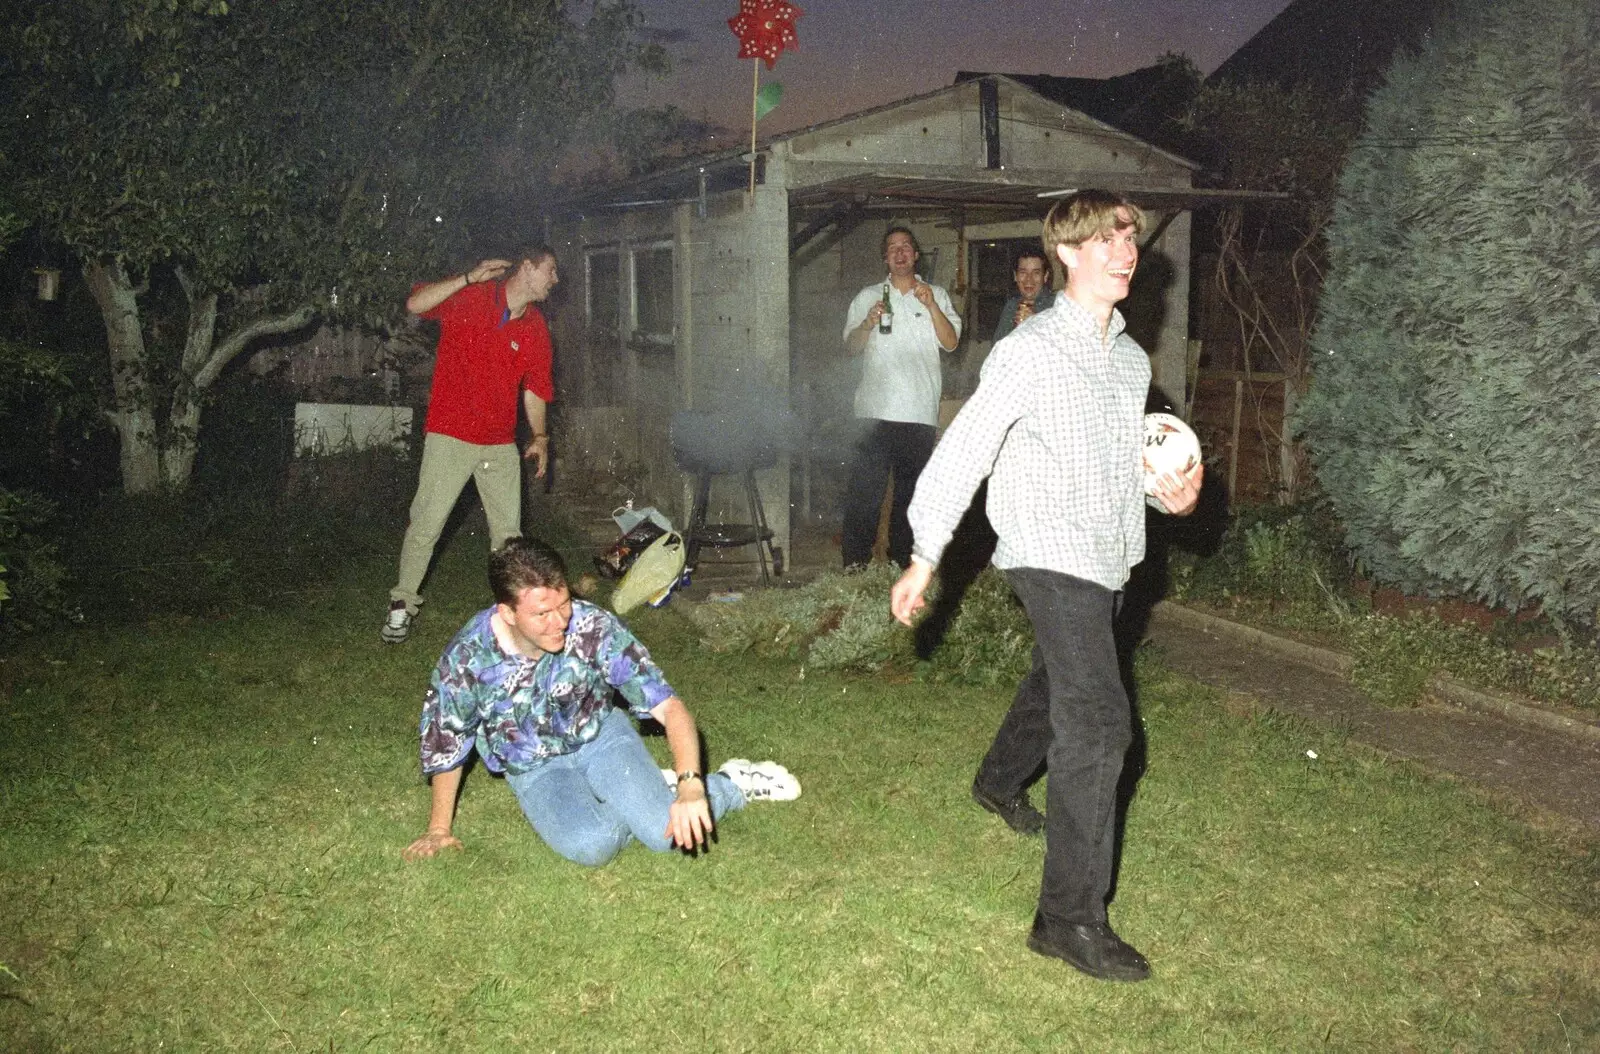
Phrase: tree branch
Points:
(185, 281)
(229, 347)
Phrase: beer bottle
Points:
(886, 320)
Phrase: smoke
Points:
(734, 437)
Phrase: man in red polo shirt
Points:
(493, 346)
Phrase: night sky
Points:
(855, 54)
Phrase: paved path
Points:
(1553, 769)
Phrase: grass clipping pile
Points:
(841, 622)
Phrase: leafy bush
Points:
(193, 554)
(1451, 412)
(842, 622)
(31, 575)
(247, 442)
(989, 642)
(1279, 561)
(788, 623)
(1395, 657)
(1281, 568)
(53, 435)
(1282, 556)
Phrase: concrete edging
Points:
(1442, 686)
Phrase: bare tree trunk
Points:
(1281, 330)
(133, 414)
(149, 460)
(204, 359)
(183, 418)
(177, 459)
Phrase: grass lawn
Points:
(201, 823)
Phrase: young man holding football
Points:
(1057, 426)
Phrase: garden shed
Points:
(720, 285)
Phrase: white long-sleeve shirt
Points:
(1057, 424)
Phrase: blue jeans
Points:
(1071, 714)
(588, 804)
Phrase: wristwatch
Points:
(691, 774)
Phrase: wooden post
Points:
(1233, 452)
(1289, 489)
(755, 93)
(1193, 350)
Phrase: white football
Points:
(1169, 446)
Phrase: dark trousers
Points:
(886, 449)
(1071, 713)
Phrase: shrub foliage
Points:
(1451, 414)
(842, 622)
(31, 574)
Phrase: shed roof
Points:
(896, 189)
(692, 178)
(1146, 103)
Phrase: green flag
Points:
(768, 98)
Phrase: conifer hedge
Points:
(1454, 410)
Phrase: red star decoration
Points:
(765, 28)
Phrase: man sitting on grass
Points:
(529, 683)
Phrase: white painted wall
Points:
(340, 428)
(738, 308)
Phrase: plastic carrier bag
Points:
(640, 528)
(653, 575)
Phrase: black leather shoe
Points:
(1092, 948)
(1018, 813)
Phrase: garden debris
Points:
(640, 529)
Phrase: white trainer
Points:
(397, 626)
(761, 780)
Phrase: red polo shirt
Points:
(485, 360)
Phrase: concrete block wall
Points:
(734, 276)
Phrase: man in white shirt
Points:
(897, 401)
(1057, 426)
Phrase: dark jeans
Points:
(886, 448)
(1071, 714)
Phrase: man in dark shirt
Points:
(1033, 278)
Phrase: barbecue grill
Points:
(706, 445)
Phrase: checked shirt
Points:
(1057, 425)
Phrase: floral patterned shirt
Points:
(516, 710)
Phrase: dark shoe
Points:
(1092, 948)
(1018, 813)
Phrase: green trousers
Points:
(447, 464)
